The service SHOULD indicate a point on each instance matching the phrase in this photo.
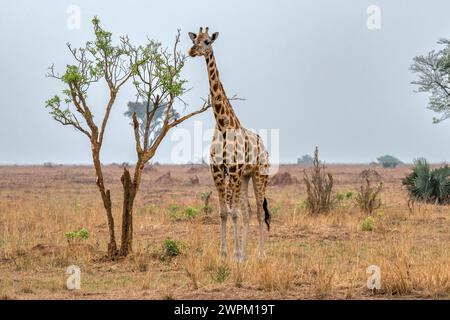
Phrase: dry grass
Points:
(308, 257)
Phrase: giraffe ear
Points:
(193, 36)
(214, 36)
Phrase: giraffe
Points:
(236, 156)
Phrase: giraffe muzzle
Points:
(194, 51)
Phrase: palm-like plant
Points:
(428, 185)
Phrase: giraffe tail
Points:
(266, 214)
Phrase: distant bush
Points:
(49, 165)
(428, 185)
(388, 161)
(306, 159)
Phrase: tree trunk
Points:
(106, 197)
(129, 194)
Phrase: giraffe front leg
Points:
(219, 181)
(236, 187)
(245, 209)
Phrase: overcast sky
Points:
(311, 69)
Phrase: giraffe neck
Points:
(223, 111)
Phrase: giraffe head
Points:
(202, 42)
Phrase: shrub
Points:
(368, 198)
(171, 248)
(428, 185)
(82, 234)
(191, 212)
(388, 161)
(179, 214)
(343, 199)
(206, 197)
(368, 224)
(318, 187)
(222, 274)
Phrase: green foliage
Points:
(223, 272)
(368, 224)
(301, 205)
(339, 196)
(349, 195)
(177, 213)
(64, 116)
(171, 248)
(428, 185)
(72, 75)
(388, 161)
(343, 199)
(154, 70)
(191, 212)
(165, 69)
(433, 72)
(82, 234)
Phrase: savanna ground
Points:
(308, 257)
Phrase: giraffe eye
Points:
(207, 42)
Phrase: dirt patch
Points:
(46, 250)
(166, 178)
(194, 181)
(73, 249)
(282, 179)
(150, 168)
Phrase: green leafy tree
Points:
(98, 60)
(155, 74)
(388, 161)
(433, 72)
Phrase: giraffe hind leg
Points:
(235, 185)
(259, 187)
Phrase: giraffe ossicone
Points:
(237, 156)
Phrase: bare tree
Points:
(116, 64)
(433, 71)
